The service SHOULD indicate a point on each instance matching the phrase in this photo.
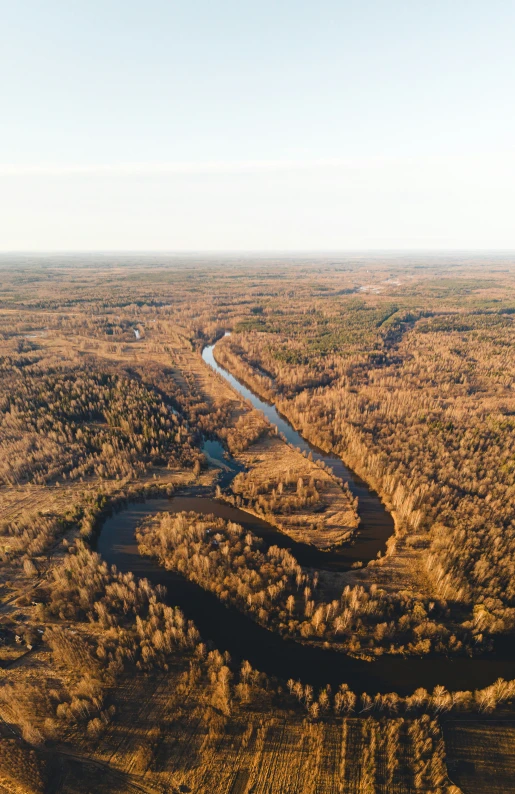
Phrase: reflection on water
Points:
(218, 457)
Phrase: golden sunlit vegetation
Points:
(75, 418)
(422, 406)
(295, 494)
(404, 368)
(269, 584)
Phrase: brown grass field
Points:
(481, 755)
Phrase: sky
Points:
(232, 125)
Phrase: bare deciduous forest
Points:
(404, 368)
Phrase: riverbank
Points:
(232, 631)
(376, 524)
(294, 494)
(396, 564)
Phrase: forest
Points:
(276, 591)
(402, 368)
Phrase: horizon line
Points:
(252, 251)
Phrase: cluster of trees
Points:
(305, 500)
(31, 534)
(132, 629)
(240, 435)
(130, 611)
(84, 700)
(271, 586)
(283, 493)
(22, 767)
(109, 624)
(73, 421)
(225, 559)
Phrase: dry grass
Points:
(267, 460)
(166, 739)
(206, 753)
(481, 756)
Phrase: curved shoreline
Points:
(232, 630)
(377, 524)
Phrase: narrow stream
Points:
(233, 631)
(376, 522)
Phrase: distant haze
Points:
(257, 126)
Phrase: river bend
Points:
(237, 633)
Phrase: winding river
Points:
(230, 630)
(376, 524)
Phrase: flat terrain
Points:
(328, 522)
(403, 368)
(481, 755)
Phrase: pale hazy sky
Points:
(284, 124)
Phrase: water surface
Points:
(376, 522)
(230, 630)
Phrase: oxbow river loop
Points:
(376, 522)
(233, 631)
